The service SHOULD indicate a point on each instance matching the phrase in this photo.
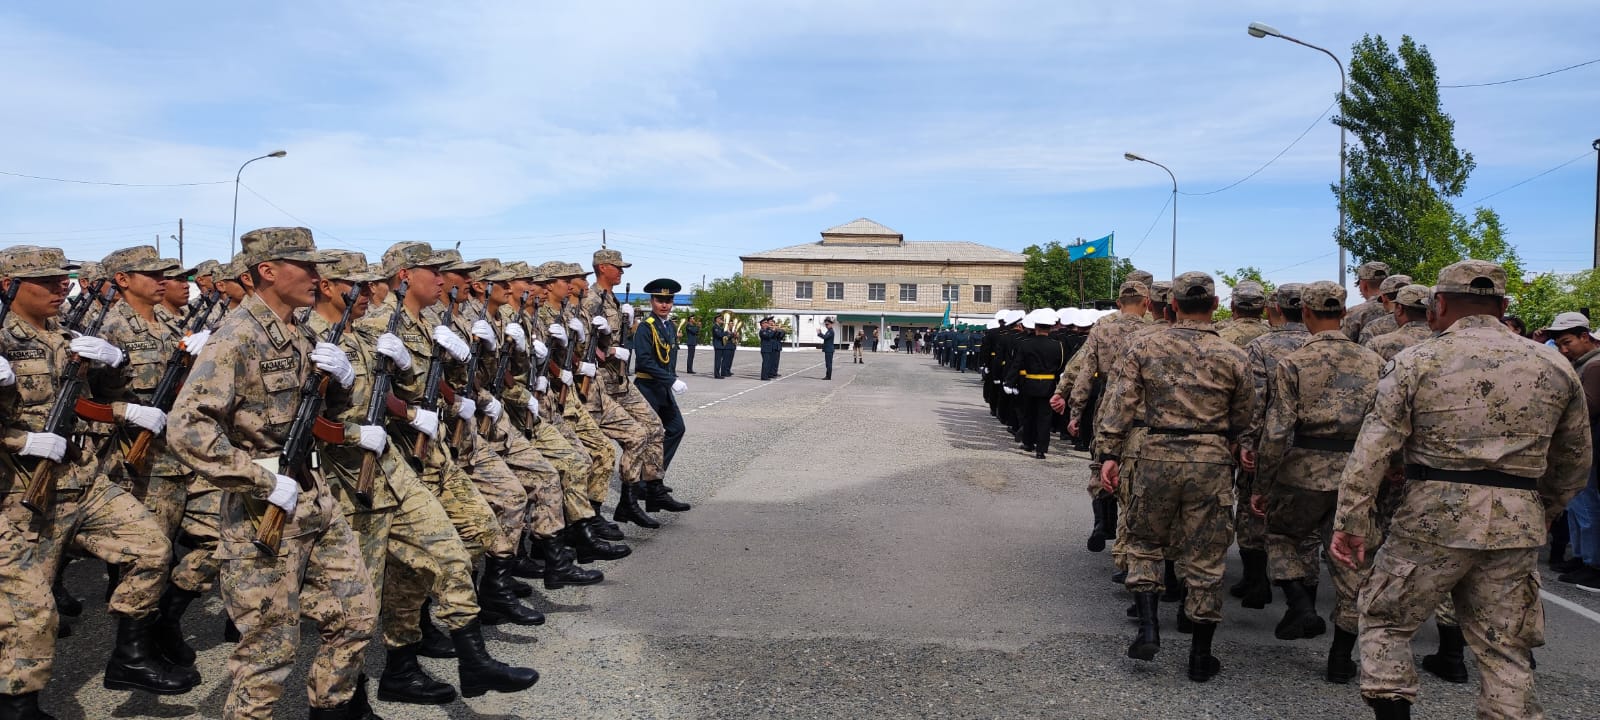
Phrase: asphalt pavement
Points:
(870, 546)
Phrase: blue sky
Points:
(696, 131)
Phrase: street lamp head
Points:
(1130, 157)
(1261, 30)
(277, 153)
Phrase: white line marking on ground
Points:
(1586, 613)
(752, 388)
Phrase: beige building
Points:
(869, 276)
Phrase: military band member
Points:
(724, 338)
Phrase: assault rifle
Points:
(6, 298)
(585, 381)
(471, 387)
(381, 401)
(435, 383)
(626, 332)
(565, 370)
(64, 412)
(136, 460)
(502, 364)
(294, 460)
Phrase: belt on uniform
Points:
(1490, 478)
(1326, 444)
(1037, 376)
(1182, 431)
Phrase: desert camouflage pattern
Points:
(1101, 350)
(1323, 390)
(1241, 330)
(1358, 317)
(1390, 344)
(1197, 396)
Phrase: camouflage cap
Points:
(409, 254)
(1142, 276)
(1161, 291)
(1194, 284)
(520, 270)
(1322, 296)
(178, 271)
(237, 267)
(32, 261)
(573, 270)
(376, 269)
(491, 270)
(1287, 296)
(207, 267)
(280, 243)
(1133, 289)
(350, 266)
(1414, 295)
(1472, 277)
(454, 263)
(1249, 295)
(1393, 283)
(91, 271)
(607, 256)
(547, 271)
(228, 271)
(1372, 271)
(137, 259)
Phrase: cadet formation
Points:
(385, 449)
(1413, 444)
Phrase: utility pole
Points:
(180, 241)
(158, 244)
(1597, 204)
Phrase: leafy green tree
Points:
(1545, 296)
(736, 292)
(1050, 277)
(1232, 280)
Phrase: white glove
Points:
(373, 438)
(45, 445)
(483, 331)
(195, 342)
(426, 422)
(493, 409)
(1010, 390)
(466, 409)
(586, 368)
(577, 329)
(541, 351)
(627, 310)
(392, 347)
(566, 377)
(621, 353)
(331, 360)
(542, 384)
(601, 325)
(97, 350)
(679, 387)
(558, 332)
(149, 418)
(518, 336)
(533, 403)
(7, 376)
(451, 342)
(286, 494)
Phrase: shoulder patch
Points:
(278, 365)
(275, 334)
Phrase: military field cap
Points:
(1249, 295)
(280, 243)
(662, 288)
(1287, 296)
(90, 271)
(607, 256)
(1372, 271)
(573, 270)
(178, 271)
(1393, 283)
(1322, 296)
(454, 263)
(208, 267)
(228, 271)
(520, 270)
(141, 258)
(350, 266)
(409, 254)
(1413, 295)
(1472, 277)
(1161, 291)
(548, 271)
(1141, 276)
(32, 261)
(1193, 284)
(1133, 288)
(1568, 321)
(491, 270)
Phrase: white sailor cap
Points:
(1043, 317)
(1012, 316)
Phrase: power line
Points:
(1531, 179)
(88, 230)
(296, 218)
(1302, 262)
(1159, 214)
(1529, 77)
(113, 184)
(1274, 159)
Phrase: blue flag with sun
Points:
(1091, 249)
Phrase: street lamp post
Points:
(1130, 157)
(1597, 205)
(1261, 30)
(233, 235)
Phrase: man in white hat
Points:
(1032, 376)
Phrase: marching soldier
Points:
(1369, 280)
(655, 348)
(1411, 319)
(1384, 323)
(1247, 304)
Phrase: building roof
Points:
(861, 226)
(908, 251)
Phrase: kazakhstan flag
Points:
(1091, 249)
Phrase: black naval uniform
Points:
(723, 341)
(1033, 371)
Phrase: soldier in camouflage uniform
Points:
(1107, 340)
(1320, 394)
(229, 421)
(85, 507)
(1411, 318)
(1247, 304)
(1369, 280)
(1197, 400)
(1495, 437)
(1385, 323)
(401, 521)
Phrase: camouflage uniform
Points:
(239, 399)
(620, 398)
(1100, 352)
(1358, 316)
(1390, 344)
(548, 432)
(1385, 323)
(1495, 437)
(1264, 352)
(598, 422)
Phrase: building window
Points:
(836, 291)
(951, 293)
(802, 290)
(875, 292)
(908, 292)
(983, 293)
(766, 288)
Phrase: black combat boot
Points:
(404, 680)
(1448, 664)
(628, 509)
(66, 604)
(497, 604)
(230, 631)
(1185, 625)
(1202, 664)
(603, 528)
(358, 707)
(1390, 709)
(135, 665)
(168, 630)
(589, 548)
(1258, 586)
(1120, 577)
(1097, 535)
(480, 673)
(1148, 641)
(1300, 620)
(1176, 591)
(1111, 516)
(435, 643)
(1341, 667)
(22, 707)
(658, 498)
(559, 569)
(1316, 626)
(517, 587)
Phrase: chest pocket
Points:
(35, 384)
(145, 362)
(283, 394)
